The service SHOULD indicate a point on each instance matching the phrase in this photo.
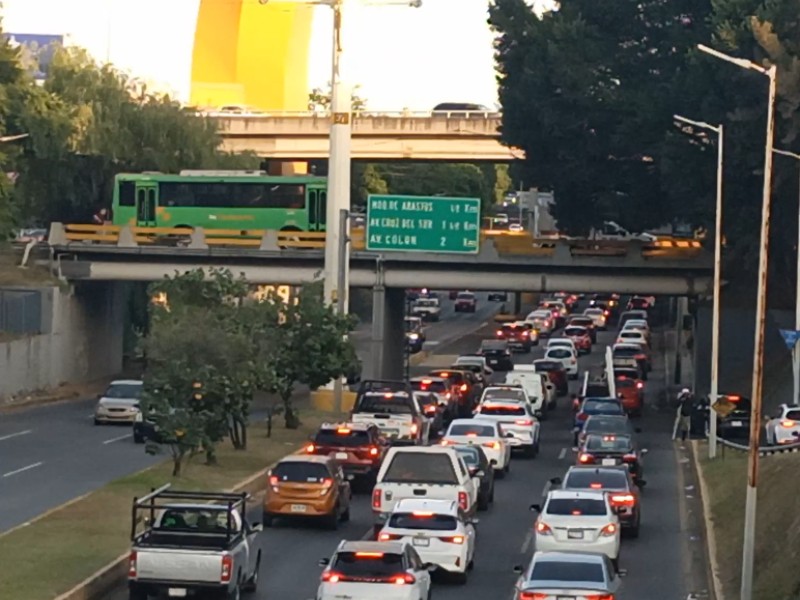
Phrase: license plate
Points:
(736, 424)
(299, 508)
(341, 455)
(493, 361)
(177, 592)
(575, 534)
(609, 461)
(565, 597)
(391, 431)
(421, 542)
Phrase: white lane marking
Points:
(526, 543)
(28, 468)
(17, 434)
(116, 439)
(433, 343)
(562, 454)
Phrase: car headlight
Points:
(413, 337)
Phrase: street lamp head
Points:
(740, 62)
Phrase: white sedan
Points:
(517, 418)
(632, 336)
(488, 434)
(438, 530)
(598, 316)
(578, 522)
(566, 356)
(784, 426)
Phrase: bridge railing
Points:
(505, 243)
(357, 114)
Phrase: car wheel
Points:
(135, 594)
(507, 468)
(634, 531)
(97, 421)
(459, 578)
(499, 473)
(138, 439)
(252, 585)
(483, 502)
(346, 514)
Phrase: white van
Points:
(531, 382)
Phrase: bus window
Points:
(127, 193)
(323, 209)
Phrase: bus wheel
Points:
(286, 230)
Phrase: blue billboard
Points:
(36, 50)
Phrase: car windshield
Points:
(559, 352)
(596, 479)
(551, 570)
(602, 407)
(624, 382)
(470, 430)
(423, 520)
(367, 564)
(504, 394)
(470, 456)
(124, 391)
(422, 385)
(389, 403)
(503, 410)
(343, 436)
(412, 325)
(608, 443)
(547, 365)
(626, 351)
(606, 425)
(301, 472)
(454, 376)
(593, 311)
(589, 507)
(571, 331)
(427, 302)
(421, 467)
(464, 296)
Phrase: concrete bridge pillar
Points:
(388, 334)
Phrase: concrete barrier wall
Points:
(84, 343)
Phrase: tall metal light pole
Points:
(748, 549)
(796, 349)
(718, 129)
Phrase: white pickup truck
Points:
(186, 544)
(428, 309)
(429, 473)
(395, 412)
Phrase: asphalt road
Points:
(52, 454)
(663, 564)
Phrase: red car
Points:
(631, 391)
(359, 447)
(466, 302)
(581, 337)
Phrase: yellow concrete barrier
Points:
(324, 401)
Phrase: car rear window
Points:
(596, 479)
(502, 411)
(301, 472)
(581, 321)
(602, 408)
(629, 334)
(576, 506)
(124, 391)
(437, 387)
(551, 570)
(559, 353)
(597, 389)
(626, 352)
(470, 456)
(608, 443)
(494, 351)
(631, 373)
(476, 429)
(793, 415)
(341, 437)
(570, 331)
(454, 376)
(606, 425)
(544, 366)
(368, 564)
(420, 467)
(464, 296)
(393, 404)
(593, 311)
(509, 394)
(423, 521)
(625, 383)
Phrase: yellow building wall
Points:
(252, 54)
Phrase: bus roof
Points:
(219, 177)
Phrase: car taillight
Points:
(584, 458)
(639, 385)
(464, 387)
(625, 499)
(388, 537)
(629, 458)
(499, 333)
(600, 597)
(132, 564)
(525, 334)
(532, 596)
(405, 578)
(376, 499)
(273, 480)
(455, 539)
(788, 423)
(310, 448)
(543, 528)
(227, 569)
(605, 313)
(609, 530)
(331, 577)
(445, 442)
(448, 395)
(414, 428)
(492, 445)
(373, 451)
(582, 416)
(523, 422)
(430, 409)
(462, 500)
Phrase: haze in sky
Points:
(401, 57)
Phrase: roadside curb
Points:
(54, 397)
(104, 580)
(711, 542)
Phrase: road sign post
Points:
(423, 224)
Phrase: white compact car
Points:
(566, 356)
(438, 530)
(598, 316)
(632, 336)
(362, 570)
(543, 321)
(578, 521)
(490, 435)
(784, 426)
(516, 418)
(120, 402)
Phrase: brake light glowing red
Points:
(373, 451)
(463, 500)
(464, 387)
(376, 499)
(132, 564)
(543, 528)
(456, 539)
(585, 458)
(639, 385)
(331, 577)
(629, 458)
(596, 486)
(310, 448)
(523, 422)
(227, 569)
(404, 579)
(622, 499)
(273, 480)
(532, 596)
(388, 537)
(492, 445)
(609, 530)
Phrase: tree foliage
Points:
(589, 92)
(319, 100)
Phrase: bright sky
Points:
(401, 57)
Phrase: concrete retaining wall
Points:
(84, 342)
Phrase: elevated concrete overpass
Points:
(292, 136)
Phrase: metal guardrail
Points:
(505, 243)
(762, 450)
(357, 114)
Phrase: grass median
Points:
(52, 555)
(777, 526)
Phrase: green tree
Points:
(436, 179)
(11, 78)
(366, 180)
(319, 100)
(310, 347)
(502, 183)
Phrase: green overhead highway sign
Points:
(423, 224)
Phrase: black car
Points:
(610, 450)
(498, 354)
(480, 468)
(736, 425)
(498, 297)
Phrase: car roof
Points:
(305, 458)
(573, 557)
(471, 421)
(575, 495)
(126, 382)
(364, 546)
(503, 403)
(439, 507)
(420, 449)
(598, 469)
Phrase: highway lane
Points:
(52, 454)
(655, 562)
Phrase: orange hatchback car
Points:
(308, 486)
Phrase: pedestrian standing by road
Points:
(683, 413)
(100, 217)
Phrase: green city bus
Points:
(242, 200)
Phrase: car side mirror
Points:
(622, 572)
(256, 527)
(537, 414)
(474, 521)
(430, 567)
(535, 508)
(641, 483)
(643, 451)
(556, 480)
(324, 562)
(637, 430)
(518, 569)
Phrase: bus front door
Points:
(146, 203)
(316, 209)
